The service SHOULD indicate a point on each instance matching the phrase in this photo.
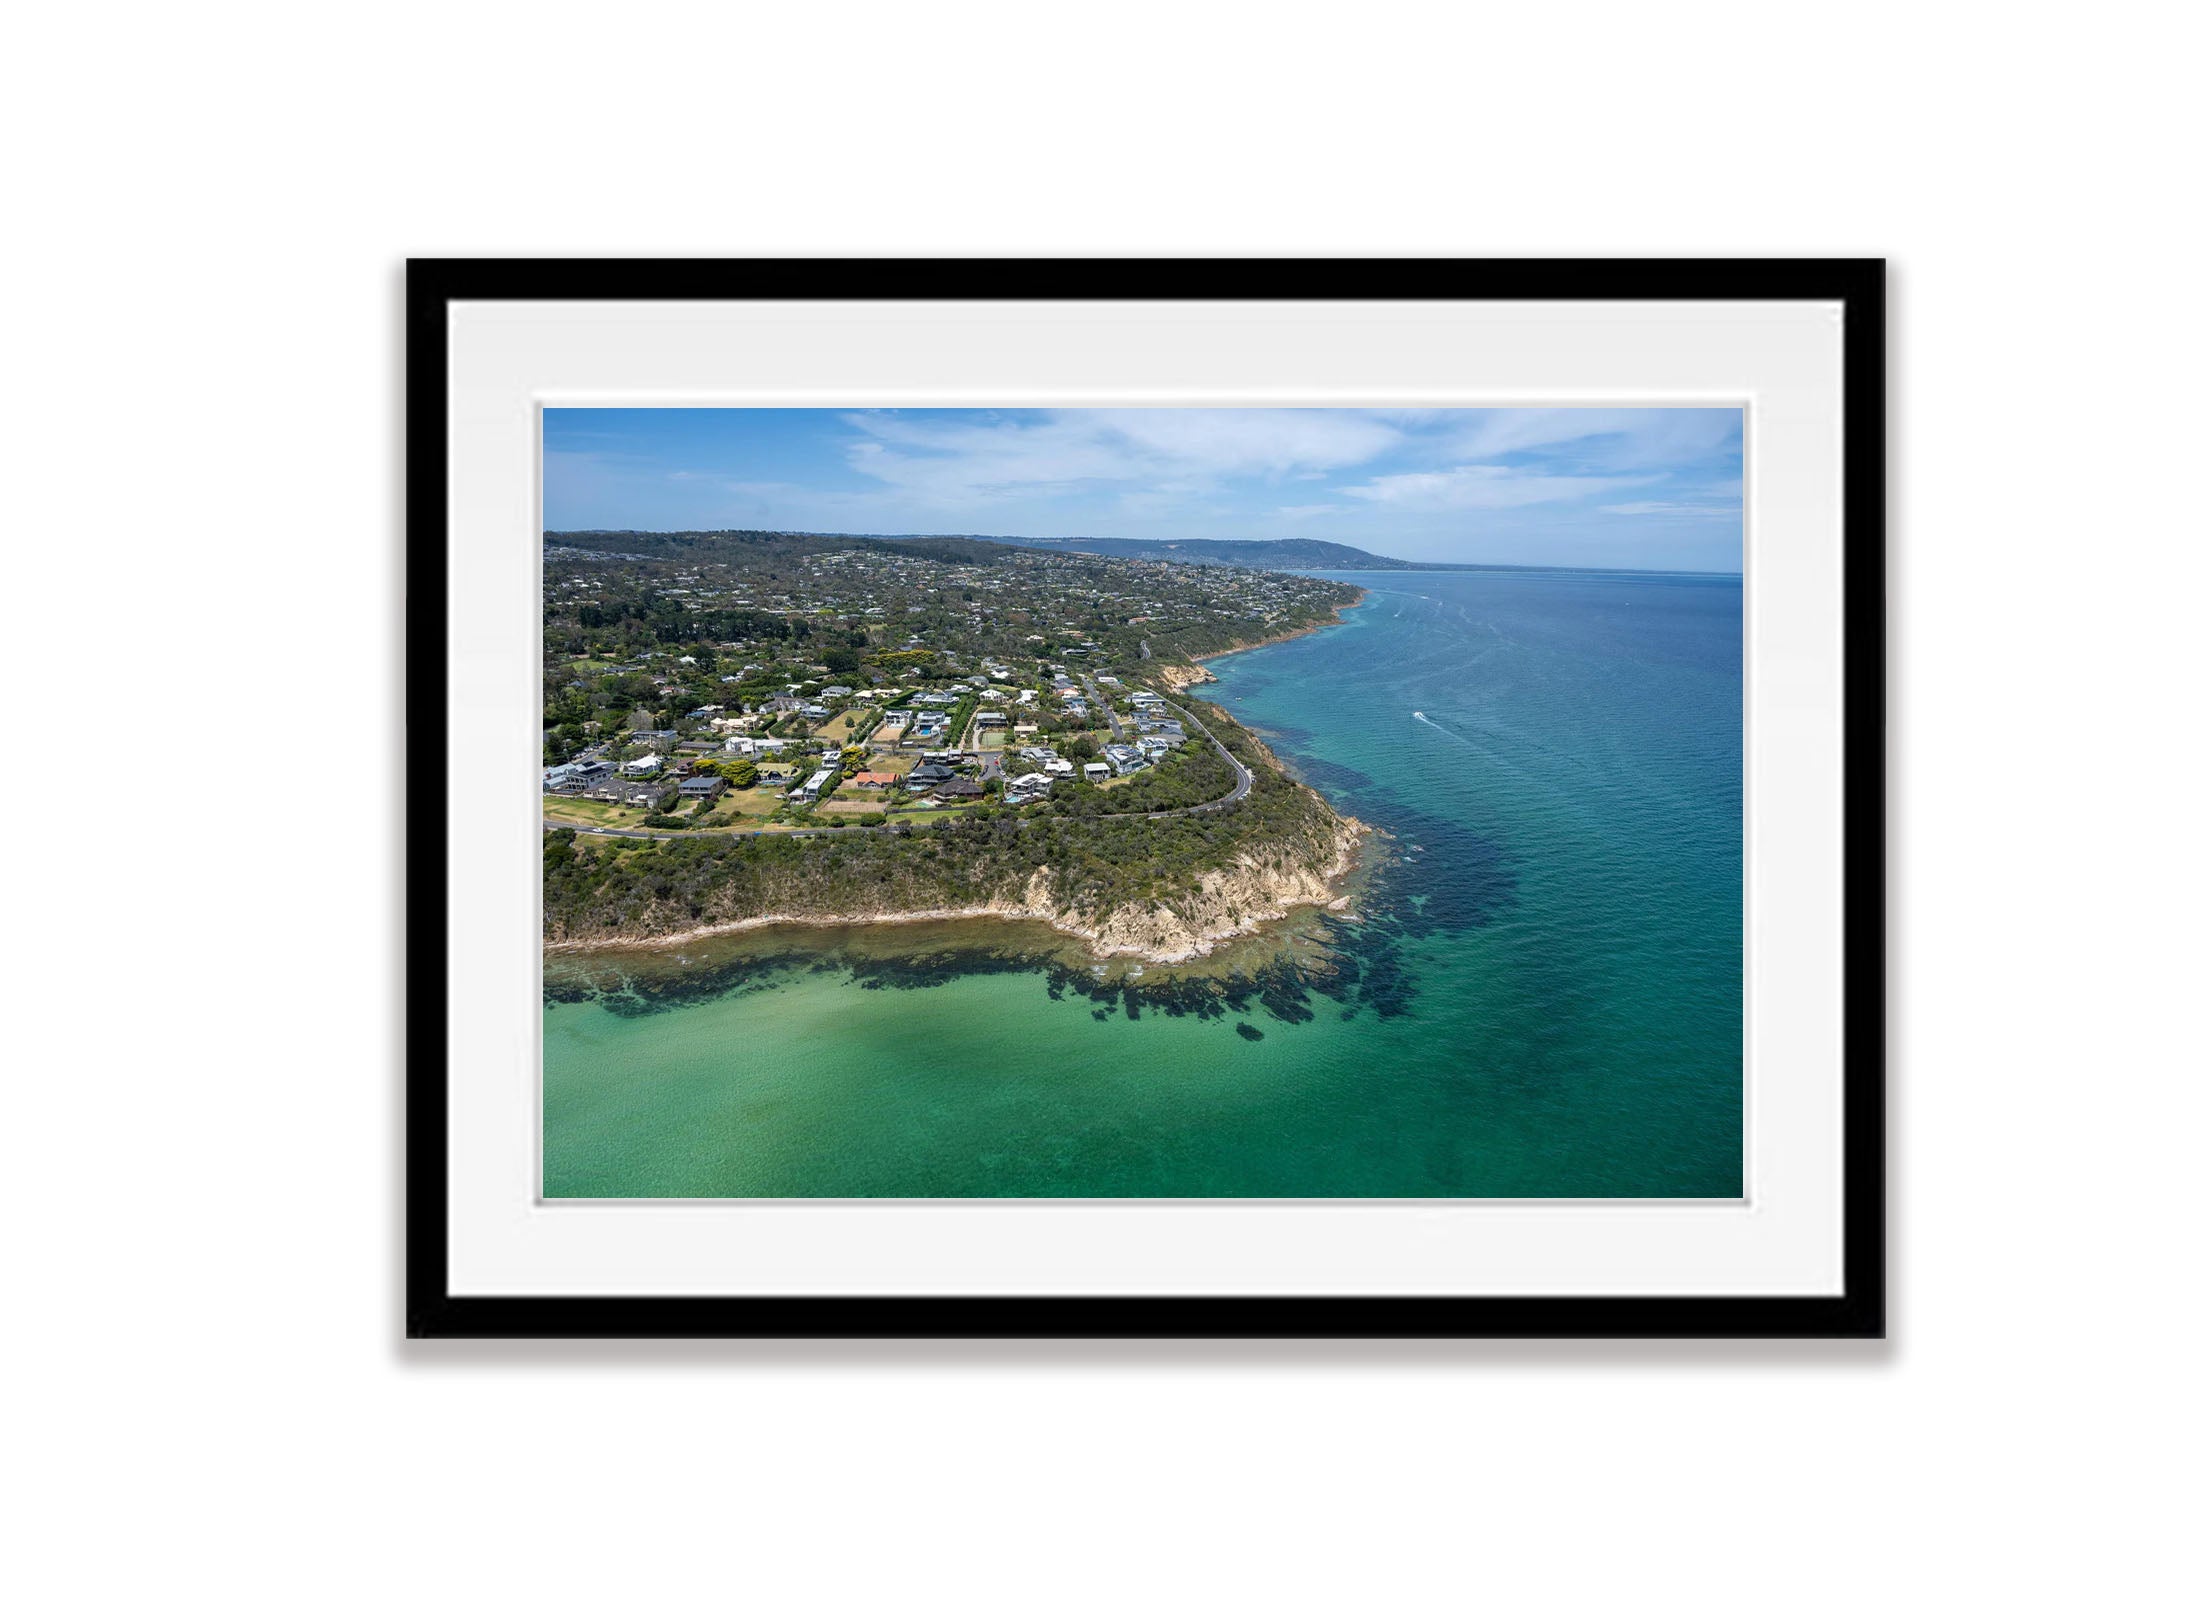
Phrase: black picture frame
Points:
(432, 1311)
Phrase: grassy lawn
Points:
(750, 802)
(589, 813)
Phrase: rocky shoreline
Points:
(1234, 900)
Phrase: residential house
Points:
(581, 776)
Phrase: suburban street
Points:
(1107, 706)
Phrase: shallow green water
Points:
(1545, 998)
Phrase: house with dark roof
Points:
(582, 776)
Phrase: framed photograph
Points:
(1145, 798)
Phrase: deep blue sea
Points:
(1542, 994)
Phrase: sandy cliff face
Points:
(1175, 678)
(1232, 900)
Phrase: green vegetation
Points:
(1195, 776)
(736, 770)
(960, 722)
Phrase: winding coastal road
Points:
(1244, 773)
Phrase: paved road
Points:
(1107, 706)
(674, 833)
(1244, 773)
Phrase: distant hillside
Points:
(714, 542)
(986, 549)
(1271, 553)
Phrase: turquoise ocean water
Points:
(1542, 995)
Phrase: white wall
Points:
(210, 207)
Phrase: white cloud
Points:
(1266, 442)
(1483, 488)
(1163, 452)
(1640, 436)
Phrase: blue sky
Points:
(1655, 487)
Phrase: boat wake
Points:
(1424, 718)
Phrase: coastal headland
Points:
(1191, 838)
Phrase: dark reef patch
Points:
(1247, 1031)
